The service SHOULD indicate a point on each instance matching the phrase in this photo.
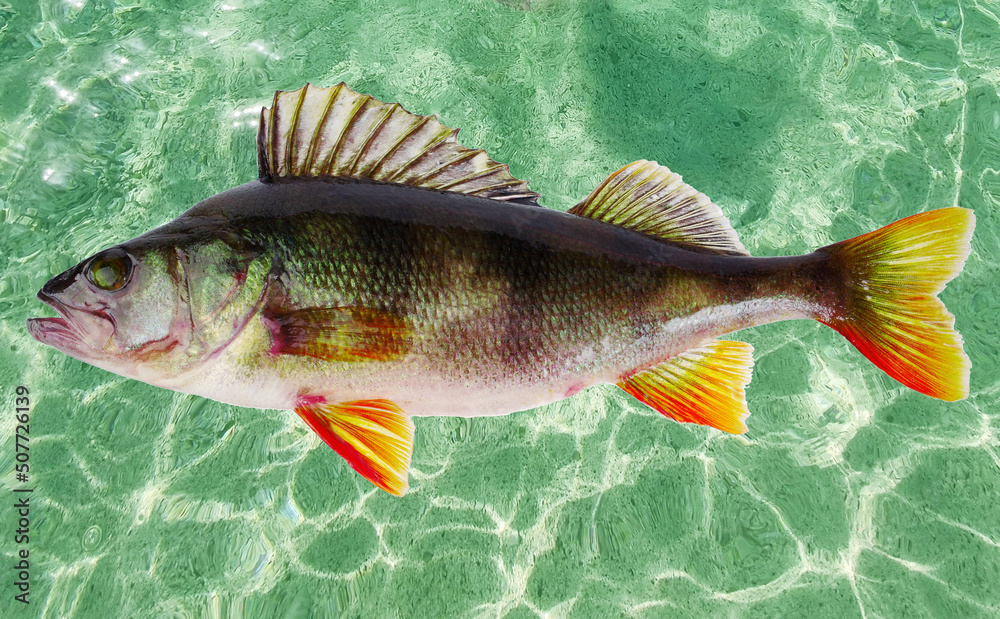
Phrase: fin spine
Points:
(414, 127)
(274, 134)
(502, 184)
(263, 163)
(331, 157)
(472, 176)
(459, 158)
(442, 137)
(318, 134)
(290, 140)
(605, 207)
(372, 133)
(625, 196)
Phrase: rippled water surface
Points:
(807, 121)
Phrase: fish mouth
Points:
(70, 330)
(55, 332)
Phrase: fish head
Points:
(122, 310)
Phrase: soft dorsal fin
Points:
(336, 132)
(703, 385)
(649, 198)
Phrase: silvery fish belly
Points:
(378, 270)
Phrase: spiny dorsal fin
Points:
(703, 385)
(647, 197)
(336, 132)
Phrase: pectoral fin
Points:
(374, 436)
(703, 385)
(338, 333)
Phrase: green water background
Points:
(808, 121)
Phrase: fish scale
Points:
(430, 299)
(378, 270)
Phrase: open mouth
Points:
(52, 331)
(62, 332)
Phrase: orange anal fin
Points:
(374, 436)
(703, 385)
(338, 333)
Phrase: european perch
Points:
(378, 270)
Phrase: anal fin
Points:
(704, 385)
(374, 436)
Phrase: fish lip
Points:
(64, 332)
(66, 310)
(41, 327)
(55, 332)
(59, 332)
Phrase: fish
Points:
(377, 270)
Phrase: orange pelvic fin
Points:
(374, 436)
(891, 313)
(703, 385)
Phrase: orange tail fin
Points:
(889, 309)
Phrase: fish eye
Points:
(110, 270)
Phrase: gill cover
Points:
(224, 285)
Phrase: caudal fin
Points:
(889, 308)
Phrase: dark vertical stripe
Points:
(387, 250)
(529, 275)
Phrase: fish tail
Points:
(888, 308)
